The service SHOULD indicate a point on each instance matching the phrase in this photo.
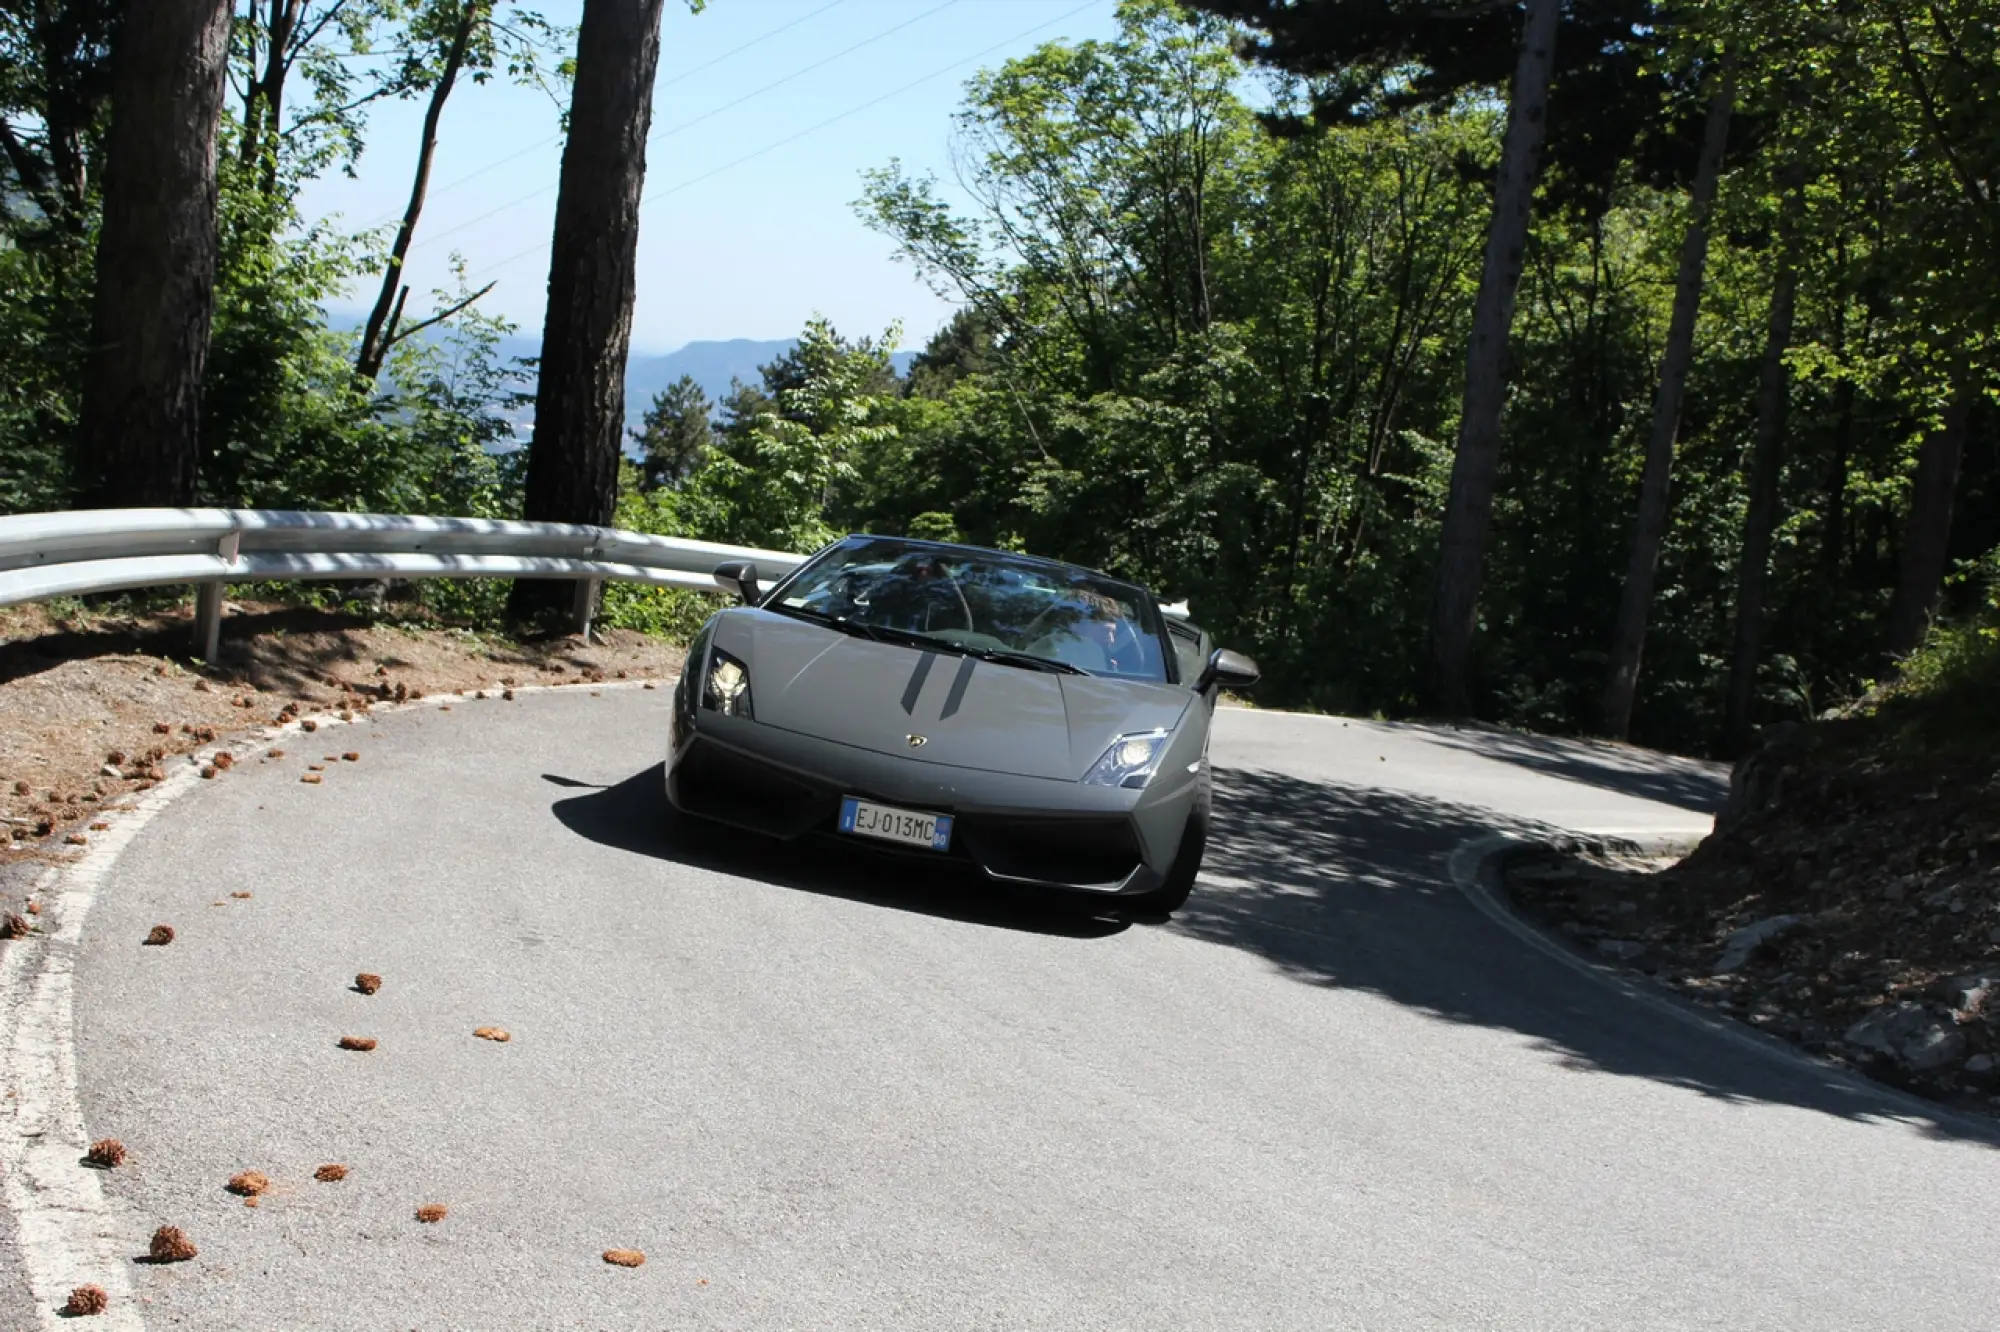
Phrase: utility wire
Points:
(658, 135)
(830, 120)
(681, 77)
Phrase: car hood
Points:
(818, 681)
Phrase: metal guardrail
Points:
(46, 555)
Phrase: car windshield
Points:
(982, 602)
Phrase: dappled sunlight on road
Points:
(1349, 887)
(1333, 885)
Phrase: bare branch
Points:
(438, 318)
(305, 37)
(1932, 121)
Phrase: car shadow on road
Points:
(1349, 887)
(1336, 886)
(633, 816)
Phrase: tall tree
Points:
(774, 478)
(381, 333)
(1927, 532)
(1628, 639)
(675, 435)
(155, 295)
(1374, 57)
(1760, 519)
(54, 81)
(586, 332)
(337, 49)
(1469, 508)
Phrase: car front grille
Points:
(1083, 851)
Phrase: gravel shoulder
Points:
(1847, 902)
(94, 706)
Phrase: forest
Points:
(1613, 367)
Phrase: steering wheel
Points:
(964, 607)
(1125, 641)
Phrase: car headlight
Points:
(727, 688)
(1129, 761)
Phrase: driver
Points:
(1103, 618)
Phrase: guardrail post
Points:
(208, 603)
(586, 604)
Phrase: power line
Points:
(658, 135)
(830, 120)
(681, 77)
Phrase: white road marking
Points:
(70, 1233)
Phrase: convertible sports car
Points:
(1043, 723)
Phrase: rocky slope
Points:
(1848, 900)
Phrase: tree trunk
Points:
(58, 32)
(1761, 519)
(580, 394)
(1628, 639)
(1469, 509)
(1833, 536)
(1927, 536)
(380, 333)
(137, 442)
(285, 15)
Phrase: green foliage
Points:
(671, 613)
(934, 526)
(40, 359)
(1189, 350)
(1228, 363)
(1945, 697)
(784, 464)
(1199, 356)
(675, 436)
(1960, 657)
(284, 425)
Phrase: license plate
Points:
(909, 826)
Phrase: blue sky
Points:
(725, 250)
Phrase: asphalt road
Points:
(823, 1093)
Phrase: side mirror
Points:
(740, 577)
(1230, 670)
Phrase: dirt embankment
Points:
(1848, 901)
(94, 707)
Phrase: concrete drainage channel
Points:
(70, 1234)
(1478, 870)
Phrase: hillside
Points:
(1849, 897)
(712, 363)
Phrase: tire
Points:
(1172, 895)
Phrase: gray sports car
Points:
(1042, 722)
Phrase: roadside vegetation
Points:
(1849, 899)
(1671, 420)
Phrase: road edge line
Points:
(67, 1229)
(1474, 867)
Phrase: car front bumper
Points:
(1105, 841)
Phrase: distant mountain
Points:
(712, 364)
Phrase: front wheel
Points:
(1172, 895)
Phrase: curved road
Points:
(819, 1092)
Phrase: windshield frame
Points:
(1149, 605)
